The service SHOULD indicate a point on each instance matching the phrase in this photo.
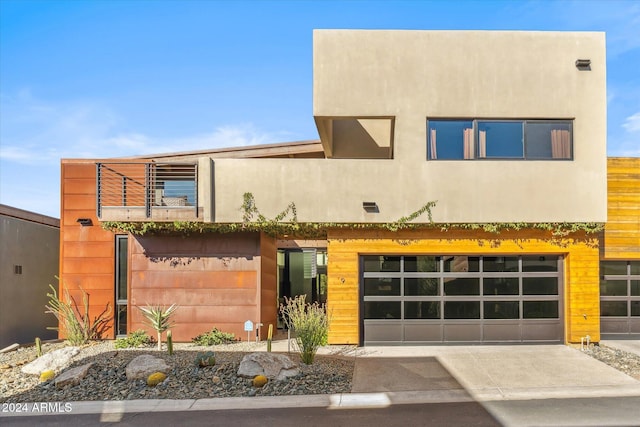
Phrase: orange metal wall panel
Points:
(268, 284)
(214, 278)
(581, 285)
(86, 253)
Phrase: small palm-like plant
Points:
(159, 318)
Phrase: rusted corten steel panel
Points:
(86, 252)
(269, 283)
(214, 278)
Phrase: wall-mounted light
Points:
(85, 222)
(583, 64)
(370, 207)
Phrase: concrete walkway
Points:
(513, 382)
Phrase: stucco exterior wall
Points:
(415, 75)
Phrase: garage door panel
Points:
(383, 331)
(423, 333)
(551, 331)
(614, 326)
(463, 332)
(634, 325)
(501, 332)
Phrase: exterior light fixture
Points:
(85, 222)
(583, 64)
(371, 207)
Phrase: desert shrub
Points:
(310, 323)
(159, 319)
(205, 359)
(214, 337)
(135, 339)
(78, 326)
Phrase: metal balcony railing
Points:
(147, 185)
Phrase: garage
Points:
(620, 299)
(430, 299)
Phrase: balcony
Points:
(147, 191)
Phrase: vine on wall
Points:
(286, 223)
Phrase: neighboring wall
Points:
(581, 286)
(86, 252)
(29, 255)
(622, 231)
(214, 278)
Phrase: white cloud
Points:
(632, 124)
(37, 132)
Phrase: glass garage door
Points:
(460, 299)
(620, 299)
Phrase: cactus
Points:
(269, 337)
(259, 381)
(47, 375)
(169, 343)
(38, 347)
(205, 359)
(155, 379)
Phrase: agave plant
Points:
(159, 318)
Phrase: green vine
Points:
(286, 223)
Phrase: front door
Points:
(302, 272)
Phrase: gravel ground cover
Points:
(106, 379)
(626, 362)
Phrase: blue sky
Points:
(91, 79)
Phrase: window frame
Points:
(476, 140)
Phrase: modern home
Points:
(29, 259)
(459, 192)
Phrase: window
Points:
(121, 284)
(619, 288)
(499, 139)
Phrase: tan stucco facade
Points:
(392, 82)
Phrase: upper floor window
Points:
(500, 139)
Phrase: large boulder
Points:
(145, 365)
(72, 376)
(56, 361)
(271, 365)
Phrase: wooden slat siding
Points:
(581, 285)
(268, 284)
(621, 238)
(86, 253)
(214, 278)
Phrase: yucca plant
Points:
(159, 319)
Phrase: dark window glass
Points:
(539, 286)
(427, 264)
(635, 267)
(613, 308)
(121, 288)
(461, 264)
(540, 263)
(501, 310)
(122, 320)
(500, 286)
(548, 140)
(500, 139)
(635, 288)
(421, 286)
(384, 287)
(462, 310)
(447, 139)
(382, 309)
(462, 286)
(635, 308)
(540, 309)
(378, 264)
(613, 288)
(422, 310)
(500, 263)
(613, 268)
